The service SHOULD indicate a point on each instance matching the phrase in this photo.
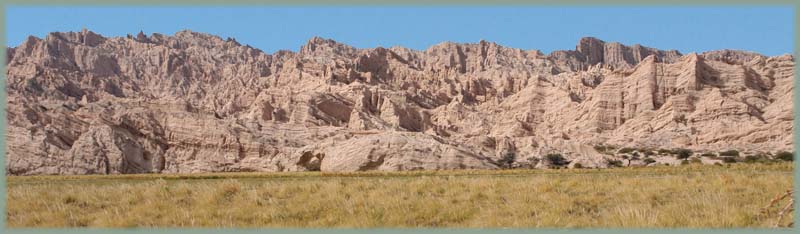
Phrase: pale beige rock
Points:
(397, 151)
(81, 103)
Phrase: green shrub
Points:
(604, 149)
(649, 153)
(664, 151)
(614, 163)
(709, 155)
(733, 153)
(696, 160)
(32, 85)
(683, 153)
(577, 166)
(753, 158)
(507, 159)
(728, 159)
(785, 156)
(556, 159)
(625, 150)
(684, 162)
(600, 148)
(649, 160)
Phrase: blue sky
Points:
(767, 30)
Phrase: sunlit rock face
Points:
(81, 103)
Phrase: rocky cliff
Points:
(81, 103)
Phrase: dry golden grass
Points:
(687, 196)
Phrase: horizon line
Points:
(297, 50)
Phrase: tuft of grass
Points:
(653, 197)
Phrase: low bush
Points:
(785, 156)
(556, 159)
(709, 155)
(664, 151)
(728, 159)
(625, 150)
(750, 159)
(733, 153)
(615, 163)
(649, 160)
(508, 159)
(604, 149)
(600, 148)
(683, 153)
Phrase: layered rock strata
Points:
(81, 103)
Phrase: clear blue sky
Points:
(767, 30)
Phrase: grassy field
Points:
(685, 196)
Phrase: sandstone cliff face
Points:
(80, 103)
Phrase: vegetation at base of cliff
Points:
(785, 156)
(732, 153)
(693, 195)
(645, 156)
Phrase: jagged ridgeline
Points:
(81, 103)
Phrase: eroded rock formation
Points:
(81, 103)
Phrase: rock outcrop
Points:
(81, 103)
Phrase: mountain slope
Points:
(81, 103)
